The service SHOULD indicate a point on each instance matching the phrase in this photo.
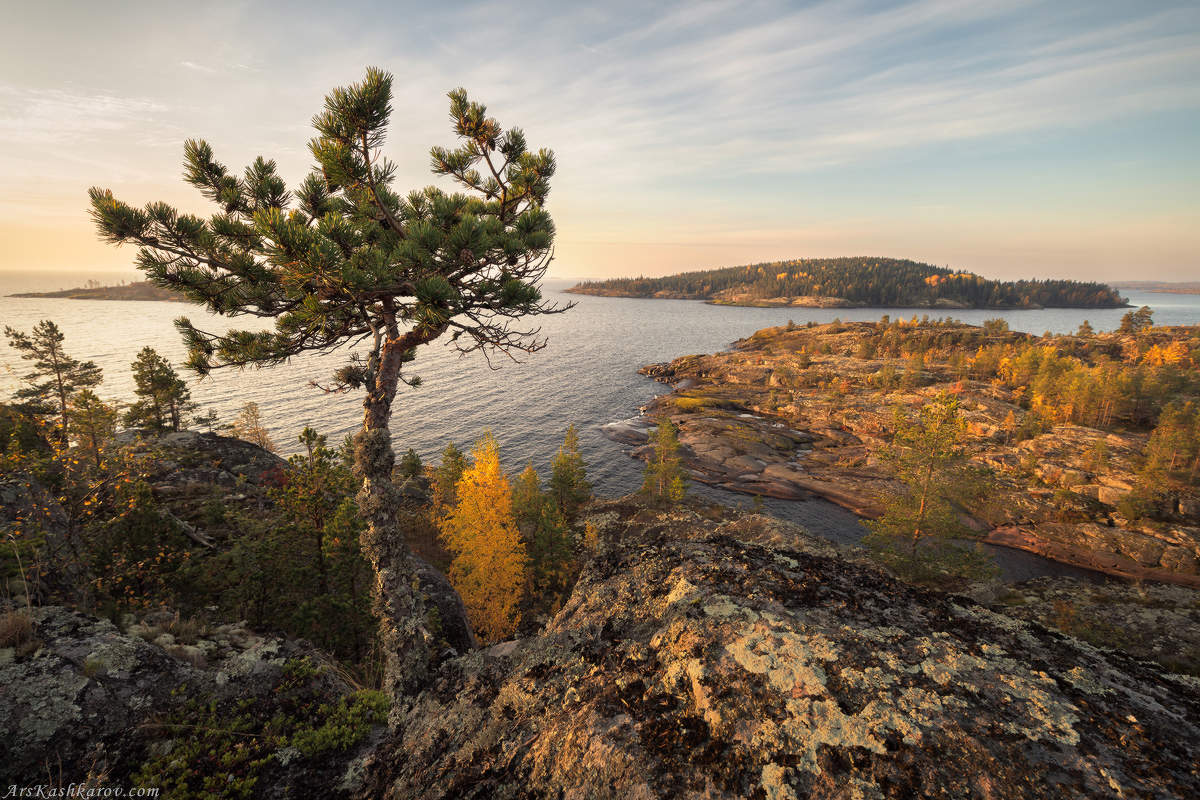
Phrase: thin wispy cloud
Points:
(194, 67)
(671, 121)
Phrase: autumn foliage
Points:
(489, 566)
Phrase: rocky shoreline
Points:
(742, 429)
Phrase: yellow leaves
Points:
(489, 566)
(1159, 356)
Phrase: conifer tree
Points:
(55, 377)
(568, 476)
(930, 465)
(344, 259)
(165, 397)
(410, 465)
(546, 535)
(665, 481)
(490, 560)
(446, 476)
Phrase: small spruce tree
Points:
(410, 465)
(446, 476)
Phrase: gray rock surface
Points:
(701, 659)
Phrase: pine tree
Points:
(92, 424)
(914, 535)
(489, 566)
(665, 480)
(346, 259)
(55, 377)
(568, 476)
(165, 397)
(249, 427)
(1137, 321)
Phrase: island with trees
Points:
(857, 282)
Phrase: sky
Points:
(1012, 138)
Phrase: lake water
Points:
(587, 375)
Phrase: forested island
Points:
(857, 281)
(136, 290)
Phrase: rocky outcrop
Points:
(793, 412)
(738, 658)
(1153, 621)
(86, 700)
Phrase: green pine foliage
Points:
(164, 399)
(920, 535)
(568, 477)
(665, 481)
(55, 376)
(868, 281)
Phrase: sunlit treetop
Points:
(345, 259)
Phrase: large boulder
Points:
(740, 659)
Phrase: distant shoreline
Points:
(137, 290)
(1160, 287)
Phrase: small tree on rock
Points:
(665, 480)
(164, 397)
(55, 377)
(915, 534)
(345, 259)
(568, 476)
(92, 424)
(249, 427)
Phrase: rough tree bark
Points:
(404, 631)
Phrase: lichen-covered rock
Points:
(93, 700)
(1154, 621)
(710, 659)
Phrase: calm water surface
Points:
(587, 375)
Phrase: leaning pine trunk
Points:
(403, 632)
